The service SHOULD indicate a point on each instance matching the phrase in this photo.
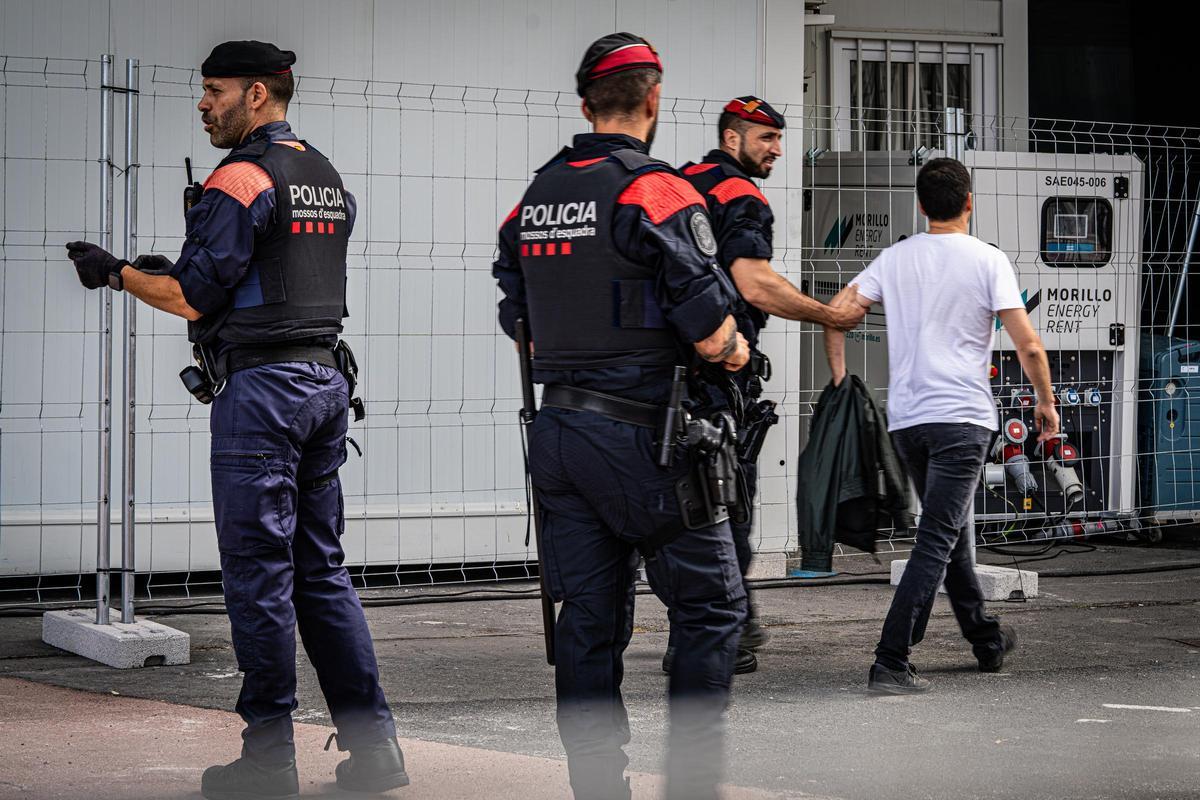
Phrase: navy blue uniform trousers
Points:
(600, 494)
(278, 438)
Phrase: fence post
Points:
(103, 506)
(1181, 289)
(956, 132)
(128, 446)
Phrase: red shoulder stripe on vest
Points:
(660, 194)
(587, 162)
(241, 180)
(696, 169)
(511, 214)
(732, 188)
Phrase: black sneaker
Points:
(668, 660)
(373, 769)
(754, 636)
(992, 660)
(745, 663)
(247, 780)
(891, 681)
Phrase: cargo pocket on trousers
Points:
(253, 497)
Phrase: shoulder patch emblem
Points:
(702, 232)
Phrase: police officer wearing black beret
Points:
(262, 282)
(609, 259)
(750, 137)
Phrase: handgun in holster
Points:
(712, 490)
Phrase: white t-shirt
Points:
(939, 293)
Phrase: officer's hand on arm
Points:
(94, 264)
(847, 309)
(768, 291)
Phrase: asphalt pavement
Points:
(1100, 700)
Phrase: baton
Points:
(528, 414)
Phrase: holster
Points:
(713, 490)
(348, 366)
(756, 421)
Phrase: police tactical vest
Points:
(295, 286)
(589, 306)
(750, 319)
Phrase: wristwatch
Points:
(114, 277)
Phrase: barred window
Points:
(896, 92)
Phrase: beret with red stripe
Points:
(615, 53)
(247, 60)
(756, 110)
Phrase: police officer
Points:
(750, 132)
(609, 258)
(261, 280)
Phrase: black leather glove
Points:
(153, 264)
(94, 265)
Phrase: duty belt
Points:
(573, 398)
(241, 358)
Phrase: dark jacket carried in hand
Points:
(850, 481)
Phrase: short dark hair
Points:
(942, 187)
(280, 87)
(620, 95)
(729, 120)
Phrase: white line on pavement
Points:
(1148, 708)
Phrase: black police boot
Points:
(376, 768)
(246, 779)
(893, 681)
(992, 659)
(745, 663)
(754, 636)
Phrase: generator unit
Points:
(1072, 227)
(1169, 428)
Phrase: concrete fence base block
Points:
(998, 583)
(122, 645)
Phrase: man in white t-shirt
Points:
(940, 290)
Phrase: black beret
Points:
(246, 60)
(755, 110)
(615, 53)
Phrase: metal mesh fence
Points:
(1095, 218)
(438, 493)
(50, 335)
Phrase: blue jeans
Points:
(944, 461)
(278, 438)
